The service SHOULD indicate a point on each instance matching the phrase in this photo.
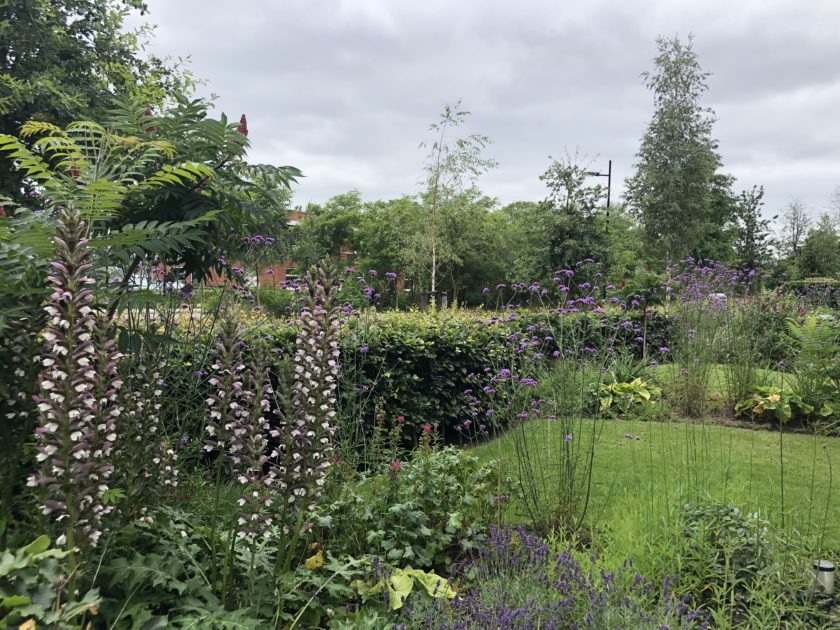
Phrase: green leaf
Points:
(400, 585)
(14, 601)
(89, 603)
(37, 546)
(435, 585)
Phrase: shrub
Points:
(817, 362)
(724, 548)
(31, 581)
(417, 365)
(769, 403)
(277, 302)
(421, 513)
(620, 398)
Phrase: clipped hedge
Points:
(277, 302)
(418, 365)
(815, 291)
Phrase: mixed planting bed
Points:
(556, 459)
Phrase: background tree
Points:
(64, 60)
(326, 230)
(166, 188)
(470, 257)
(525, 229)
(820, 254)
(575, 232)
(677, 193)
(795, 225)
(752, 240)
(834, 205)
(385, 232)
(452, 166)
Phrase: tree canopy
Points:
(677, 192)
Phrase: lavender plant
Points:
(518, 582)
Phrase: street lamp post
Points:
(608, 175)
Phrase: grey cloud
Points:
(346, 89)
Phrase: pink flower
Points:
(427, 427)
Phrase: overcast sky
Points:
(346, 89)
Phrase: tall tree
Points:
(834, 205)
(575, 230)
(452, 166)
(328, 229)
(385, 232)
(752, 231)
(677, 193)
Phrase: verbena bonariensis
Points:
(78, 402)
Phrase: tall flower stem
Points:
(77, 400)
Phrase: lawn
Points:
(639, 481)
(717, 381)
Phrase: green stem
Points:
(251, 570)
(214, 520)
(228, 564)
(72, 563)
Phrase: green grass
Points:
(717, 384)
(646, 480)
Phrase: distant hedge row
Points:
(815, 291)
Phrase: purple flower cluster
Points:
(259, 240)
(710, 281)
(553, 591)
